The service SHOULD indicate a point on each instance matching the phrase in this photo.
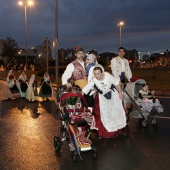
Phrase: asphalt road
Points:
(27, 131)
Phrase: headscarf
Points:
(32, 78)
(46, 76)
(23, 77)
(10, 73)
(10, 82)
(100, 66)
(78, 48)
(91, 57)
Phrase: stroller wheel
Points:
(94, 155)
(144, 123)
(74, 157)
(57, 143)
(154, 122)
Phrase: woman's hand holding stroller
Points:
(121, 96)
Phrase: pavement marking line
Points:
(161, 117)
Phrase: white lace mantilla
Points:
(104, 85)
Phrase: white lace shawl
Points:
(22, 77)
(46, 78)
(103, 85)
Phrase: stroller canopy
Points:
(132, 88)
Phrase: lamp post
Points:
(120, 24)
(25, 4)
(56, 40)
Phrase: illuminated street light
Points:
(25, 4)
(120, 24)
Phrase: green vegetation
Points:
(157, 78)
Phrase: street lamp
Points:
(120, 24)
(25, 4)
(56, 40)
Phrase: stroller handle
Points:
(70, 94)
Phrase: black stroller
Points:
(76, 120)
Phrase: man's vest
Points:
(79, 74)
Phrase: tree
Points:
(10, 49)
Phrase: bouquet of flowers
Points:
(35, 82)
(28, 78)
(52, 78)
(11, 77)
(71, 100)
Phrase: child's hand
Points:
(153, 92)
(144, 98)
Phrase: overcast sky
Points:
(92, 24)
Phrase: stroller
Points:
(137, 110)
(76, 123)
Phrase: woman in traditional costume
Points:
(46, 87)
(108, 110)
(12, 90)
(32, 93)
(23, 83)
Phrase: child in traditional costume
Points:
(22, 79)
(32, 93)
(46, 87)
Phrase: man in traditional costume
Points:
(120, 66)
(76, 70)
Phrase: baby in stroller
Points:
(148, 100)
(76, 122)
(142, 102)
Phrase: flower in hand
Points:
(11, 77)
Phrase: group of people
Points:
(107, 107)
(102, 90)
(28, 87)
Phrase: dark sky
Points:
(92, 24)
